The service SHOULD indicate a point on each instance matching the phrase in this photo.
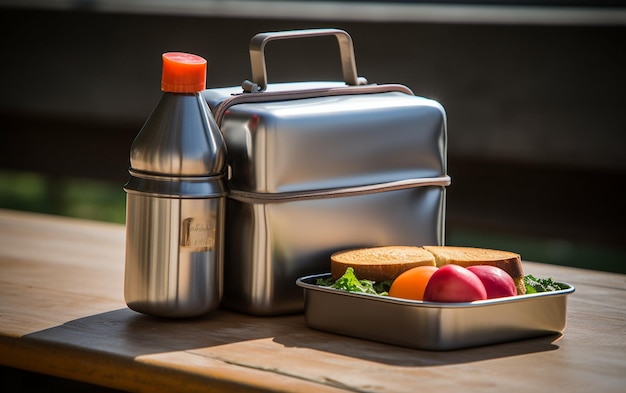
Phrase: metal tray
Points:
(430, 325)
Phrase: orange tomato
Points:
(412, 283)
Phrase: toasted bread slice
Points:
(467, 256)
(379, 263)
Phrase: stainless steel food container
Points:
(176, 200)
(317, 167)
(430, 325)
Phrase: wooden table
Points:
(62, 313)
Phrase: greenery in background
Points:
(72, 197)
(103, 201)
(552, 251)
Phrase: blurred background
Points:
(534, 93)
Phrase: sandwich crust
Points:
(508, 261)
(379, 263)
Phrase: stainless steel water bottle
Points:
(176, 200)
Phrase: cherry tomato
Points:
(412, 283)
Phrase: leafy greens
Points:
(349, 282)
(534, 285)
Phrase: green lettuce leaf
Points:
(535, 285)
(350, 283)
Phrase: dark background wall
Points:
(536, 111)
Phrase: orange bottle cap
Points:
(183, 73)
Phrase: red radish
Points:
(497, 282)
(454, 283)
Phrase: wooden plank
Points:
(57, 270)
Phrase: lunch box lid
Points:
(312, 137)
(286, 145)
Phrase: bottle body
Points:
(174, 254)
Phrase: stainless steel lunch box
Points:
(430, 325)
(317, 167)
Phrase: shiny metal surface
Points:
(270, 244)
(174, 256)
(311, 174)
(179, 138)
(316, 167)
(221, 99)
(175, 211)
(328, 142)
(433, 326)
(176, 187)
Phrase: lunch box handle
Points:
(257, 55)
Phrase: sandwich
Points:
(387, 262)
